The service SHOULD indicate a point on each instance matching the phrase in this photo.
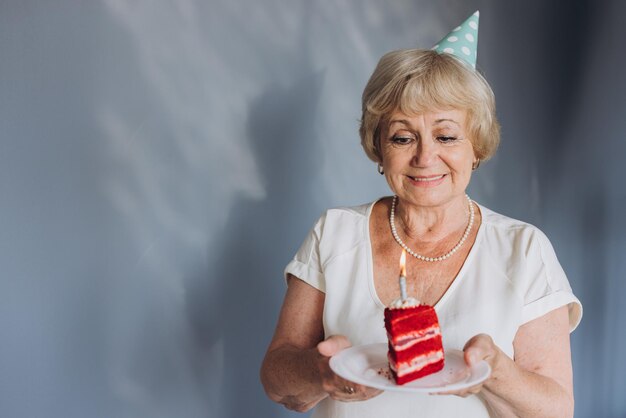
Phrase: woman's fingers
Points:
(333, 345)
(347, 391)
(478, 348)
(337, 387)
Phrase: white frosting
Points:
(418, 363)
(407, 303)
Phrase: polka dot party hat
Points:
(462, 42)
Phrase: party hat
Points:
(462, 42)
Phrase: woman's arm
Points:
(295, 370)
(538, 382)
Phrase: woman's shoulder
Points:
(502, 230)
(361, 210)
(503, 223)
(526, 256)
(347, 225)
(348, 214)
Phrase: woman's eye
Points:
(401, 139)
(445, 139)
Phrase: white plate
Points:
(368, 365)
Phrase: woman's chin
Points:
(430, 197)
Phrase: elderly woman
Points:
(500, 294)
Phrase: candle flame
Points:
(403, 263)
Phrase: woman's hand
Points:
(295, 371)
(538, 382)
(338, 388)
(478, 348)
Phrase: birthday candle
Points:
(403, 275)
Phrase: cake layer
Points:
(403, 341)
(423, 347)
(427, 370)
(409, 365)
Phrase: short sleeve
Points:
(306, 264)
(548, 287)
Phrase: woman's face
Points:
(427, 157)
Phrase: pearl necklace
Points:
(445, 256)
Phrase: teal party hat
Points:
(462, 42)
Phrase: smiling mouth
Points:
(427, 179)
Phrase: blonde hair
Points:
(416, 81)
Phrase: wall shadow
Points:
(242, 307)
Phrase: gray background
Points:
(160, 163)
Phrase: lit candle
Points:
(403, 275)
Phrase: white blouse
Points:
(511, 276)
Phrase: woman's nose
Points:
(425, 153)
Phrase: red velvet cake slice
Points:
(415, 345)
